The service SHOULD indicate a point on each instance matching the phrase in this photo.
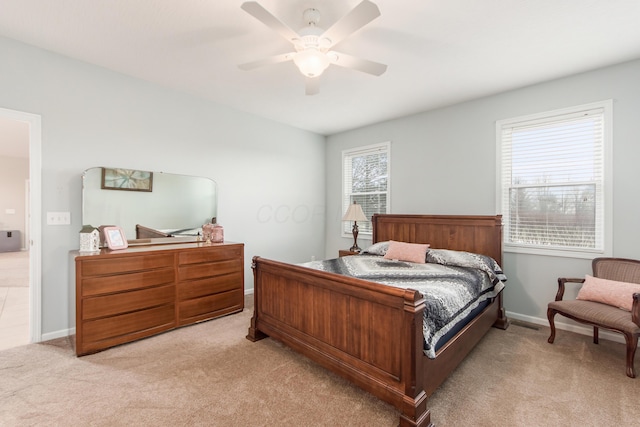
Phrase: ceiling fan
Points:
(312, 44)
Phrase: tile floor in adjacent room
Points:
(14, 317)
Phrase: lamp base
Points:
(354, 230)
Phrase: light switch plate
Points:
(58, 218)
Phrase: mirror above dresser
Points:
(148, 206)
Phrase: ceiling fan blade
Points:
(364, 65)
(263, 15)
(266, 61)
(357, 18)
(312, 86)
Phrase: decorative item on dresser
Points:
(144, 290)
(339, 321)
(115, 238)
(212, 232)
(89, 239)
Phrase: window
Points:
(553, 176)
(365, 180)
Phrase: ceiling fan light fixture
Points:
(313, 44)
(311, 62)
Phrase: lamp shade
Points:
(354, 213)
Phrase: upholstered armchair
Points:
(615, 284)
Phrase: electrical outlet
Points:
(58, 218)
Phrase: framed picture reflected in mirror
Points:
(126, 179)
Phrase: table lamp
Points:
(355, 214)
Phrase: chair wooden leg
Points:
(550, 315)
(595, 335)
(632, 345)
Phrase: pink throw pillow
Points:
(610, 292)
(411, 252)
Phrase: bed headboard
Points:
(481, 234)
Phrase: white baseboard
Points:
(571, 327)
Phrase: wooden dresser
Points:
(125, 295)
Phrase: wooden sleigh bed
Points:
(369, 333)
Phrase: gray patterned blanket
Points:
(453, 284)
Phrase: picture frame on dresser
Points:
(115, 238)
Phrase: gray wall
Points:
(14, 172)
(444, 162)
(270, 176)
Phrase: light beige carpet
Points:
(14, 269)
(210, 375)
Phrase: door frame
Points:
(35, 214)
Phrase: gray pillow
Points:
(379, 248)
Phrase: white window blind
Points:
(365, 180)
(553, 180)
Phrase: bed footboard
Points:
(369, 334)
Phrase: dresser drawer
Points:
(126, 282)
(200, 271)
(124, 302)
(209, 285)
(197, 309)
(218, 253)
(106, 332)
(128, 264)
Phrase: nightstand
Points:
(347, 252)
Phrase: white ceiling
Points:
(438, 52)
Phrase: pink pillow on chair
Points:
(411, 252)
(610, 292)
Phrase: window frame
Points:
(346, 196)
(606, 183)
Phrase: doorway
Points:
(20, 278)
